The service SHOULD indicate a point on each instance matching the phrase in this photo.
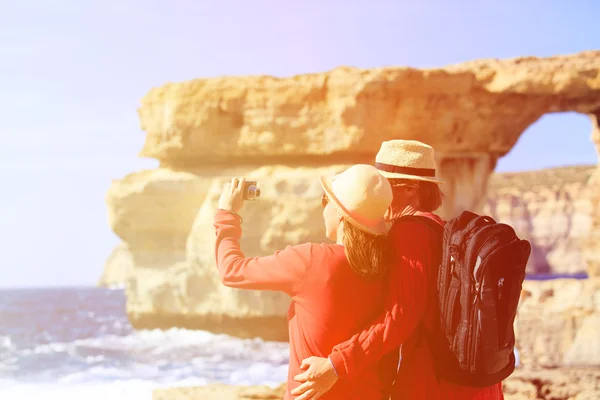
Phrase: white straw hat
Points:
(363, 195)
(406, 159)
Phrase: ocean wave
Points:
(159, 356)
(6, 342)
(77, 343)
(118, 390)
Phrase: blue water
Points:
(69, 343)
(77, 342)
(546, 277)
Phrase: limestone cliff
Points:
(285, 132)
(479, 106)
(558, 323)
(552, 209)
(471, 113)
(592, 244)
(175, 282)
(117, 268)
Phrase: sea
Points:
(76, 343)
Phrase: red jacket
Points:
(411, 288)
(329, 301)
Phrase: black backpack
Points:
(481, 272)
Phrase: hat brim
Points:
(394, 175)
(380, 228)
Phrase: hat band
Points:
(405, 170)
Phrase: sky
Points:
(72, 74)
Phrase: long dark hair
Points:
(366, 252)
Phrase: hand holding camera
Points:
(235, 192)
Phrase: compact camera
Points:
(251, 191)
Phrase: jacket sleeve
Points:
(404, 307)
(282, 271)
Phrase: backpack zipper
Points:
(473, 331)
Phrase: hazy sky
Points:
(72, 74)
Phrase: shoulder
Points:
(328, 249)
(317, 250)
(411, 231)
(320, 257)
(419, 223)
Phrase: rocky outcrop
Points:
(285, 132)
(153, 212)
(221, 392)
(558, 323)
(523, 384)
(553, 384)
(479, 106)
(472, 113)
(551, 208)
(591, 249)
(187, 292)
(117, 268)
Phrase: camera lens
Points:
(251, 192)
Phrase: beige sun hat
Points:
(406, 159)
(363, 195)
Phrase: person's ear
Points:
(412, 189)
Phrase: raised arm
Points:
(281, 271)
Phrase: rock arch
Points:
(292, 129)
(472, 113)
(552, 207)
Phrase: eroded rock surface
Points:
(221, 392)
(118, 268)
(285, 132)
(479, 106)
(523, 384)
(187, 291)
(552, 209)
(591, 249)
(558, 323)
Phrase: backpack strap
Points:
(433, 226)
(438, 232)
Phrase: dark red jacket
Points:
(411, 289)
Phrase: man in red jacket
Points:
(410, 167)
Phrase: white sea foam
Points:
(118, 390)
(131, 366)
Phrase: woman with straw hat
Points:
(409, 165)
(335, 288)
